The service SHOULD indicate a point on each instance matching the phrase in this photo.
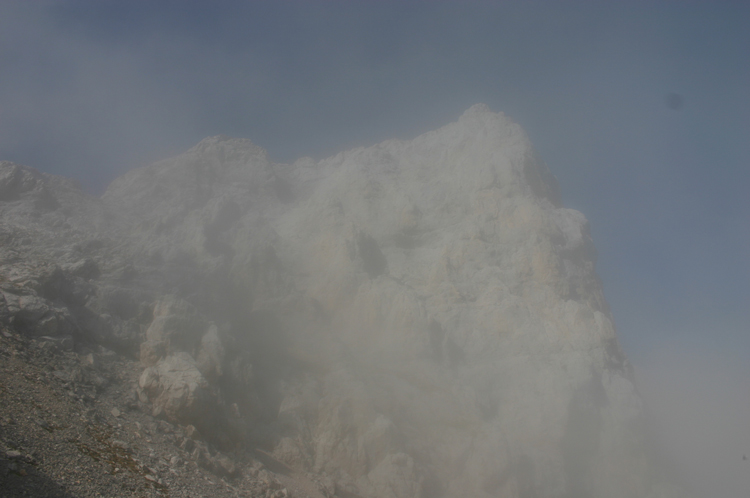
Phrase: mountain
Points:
(415, 318)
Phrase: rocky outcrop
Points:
(177, 389)
(416, 318)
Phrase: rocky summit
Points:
(417, 318)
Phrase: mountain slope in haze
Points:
(415, 318)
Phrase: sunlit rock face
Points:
(416, 318)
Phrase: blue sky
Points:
(91, 89)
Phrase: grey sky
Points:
(91, 89)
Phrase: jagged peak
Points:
(479, 118)
(483, 111)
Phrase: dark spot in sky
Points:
(674, 101)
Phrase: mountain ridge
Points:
(414, 318)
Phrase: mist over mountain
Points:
(416, 318)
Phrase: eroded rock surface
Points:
(416, 318)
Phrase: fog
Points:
(698, 405)
(639, 110)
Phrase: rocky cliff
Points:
(416, 318)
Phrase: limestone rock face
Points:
(177, 389)
(415, 318)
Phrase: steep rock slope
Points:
(416, 318)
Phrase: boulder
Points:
(178, 391)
